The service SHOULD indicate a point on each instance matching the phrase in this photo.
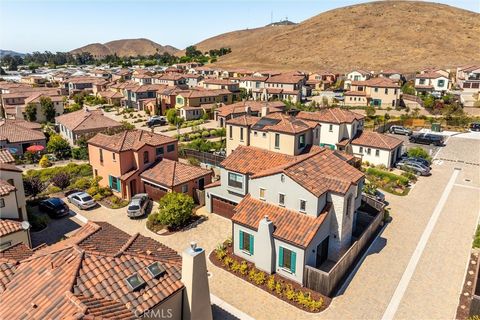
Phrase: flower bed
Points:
(389, 182)
(278, 286)
(113, 202)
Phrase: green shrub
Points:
(388, 176)
(271, 283)
(259, 278)
(243, 268)
(279, 289)
(290, 294)
(53, 189)
(227, 262)
(419, 152)
(235, 266)
(80, 153)
(476, 241)
(252, 274)
(38, 222)
(175, 209)
(82, 183)
(44, 162)
(213, 133)
(97, 197)
(221, 132)
(205, 134)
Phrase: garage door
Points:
(223, 207)
(154, 192)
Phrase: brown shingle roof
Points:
(171, 173)
(376, 140)
(130, 140)
(14, 131)
(291, 226)
(9, 226)
(85, 121)
(331, 115)
(6, 156)
(78, 279)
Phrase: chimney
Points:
(248, 111)
(196, 295)
(264, 244)
(265, 110)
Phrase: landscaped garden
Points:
(278, 286)
(198, 133)
(390, 182)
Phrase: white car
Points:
(82, 200)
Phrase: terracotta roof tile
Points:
(376, 140)
(255, 106)
(17, 252)
(130, 140)
(14, 131)
(429, 75)
(6, 156)
(331, 115)
(291, 226)
(85, 121)
(377, 82)
(9, 226)
(6, 188)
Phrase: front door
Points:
(322, 252)
(133, 188)
(201, 183)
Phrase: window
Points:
(255, 133)
(317, 132)
(170, 148)
(264, 134)
(376, 89)
(159, 151)
(245, 242)
(349, 204)
(101, 155)
(330, 128)
(303, 205)
(262, 193)
(301, 141)
(287, 259)
(113, 156)
(281, 199)
(114, 183)
(185, 188)
(241, 134)
(441, 83)
(422, 81)
(2, 202)
(230, 132)
(282, 177)
(277, 141)
(369, 151)
(386, 90)
(377, 153)
(360, 150)
(235, 180)
(145, 157)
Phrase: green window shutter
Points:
(251, 244)
(110, 181)
(293, 261)
(240, 242)
(280, 256)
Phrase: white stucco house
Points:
(432, 82)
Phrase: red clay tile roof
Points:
(377, 82)
(14, 132)
(35, 98)
(287, 124)
(17, 252)
(130, 140)
(255, 106)
(5, 188)
(243, 120)
(87, 120)
(290, 78)
(429, 75)
(171, 173)
(79, 279)
(201, 93)
(9, 226)
(331, 115)
(6, 156)
(9, 167)
(214, 184)
(291, 226)
(376, 140)
(355, 93)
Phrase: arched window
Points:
(145, 157)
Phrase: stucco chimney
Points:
(197, 305)
(265, 110)
(264, 247)
(248, 111)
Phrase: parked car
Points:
(54, 207)
(422, 161)
(82, 200)
(415, 167)
(475, 126)
(138, 205)
(427, 138)
(156, 121)
(400, 130)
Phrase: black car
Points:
(153, 122)
(427, 138)
(475, 126)
(54, 207)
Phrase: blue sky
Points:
(57, 25)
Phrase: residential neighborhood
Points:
(168, 184)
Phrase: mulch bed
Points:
(194, 221)
(468, 290)
(296, 286)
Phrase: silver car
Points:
(138, 205)
(416, 167)
(82, 200)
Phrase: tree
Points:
(48, 108)
(191, 51)
(127, 125)
(31, 112)
(174, 119)
(175, 209)
(33, 185)
(61, 180)
(370, 111)
(419, 152)
(59, 146)
(407, 88)
(428, 101)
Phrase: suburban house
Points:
(215, 84)
(83, 124)
(391, 74)
(101, 272)
(34, 100)
(172, 79)
(121, 158)
(18, 135)
(122, 75)
(432, 82)
(247, 107)
(192, 80)
(204, 71)
(12, 204)
(377, 148)
(468, 79)
(321, 80)
(355, 75)
(250, 83)
(285, 86)
(111, 97)
(134, 95)
(84, 83)
(375, 92)
(190, 102)
(166, 98)
(275, 132)
(37, 81)
(142, 77)
(99, 73)
(173, 176)
(292, 211)
(14, 98)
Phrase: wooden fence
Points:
(327, 282)
(202, 157)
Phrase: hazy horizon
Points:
(27, 26)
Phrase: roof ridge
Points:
(79, 264)
(126, 245)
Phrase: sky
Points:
(63, 25)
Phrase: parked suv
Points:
(400, 130)
(82, 200)
(138, 205)
(413, 166)
(54, 207)
(422, 161)
(427, 138)
(156, 121)
(475, 126)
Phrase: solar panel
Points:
(156, 269)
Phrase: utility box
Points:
(436, 127)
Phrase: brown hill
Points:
(404, 35)
(125, 47)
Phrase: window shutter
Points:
(280, 256)
(110, 182)
(240, 244)
(293, 261)
(251, 244)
